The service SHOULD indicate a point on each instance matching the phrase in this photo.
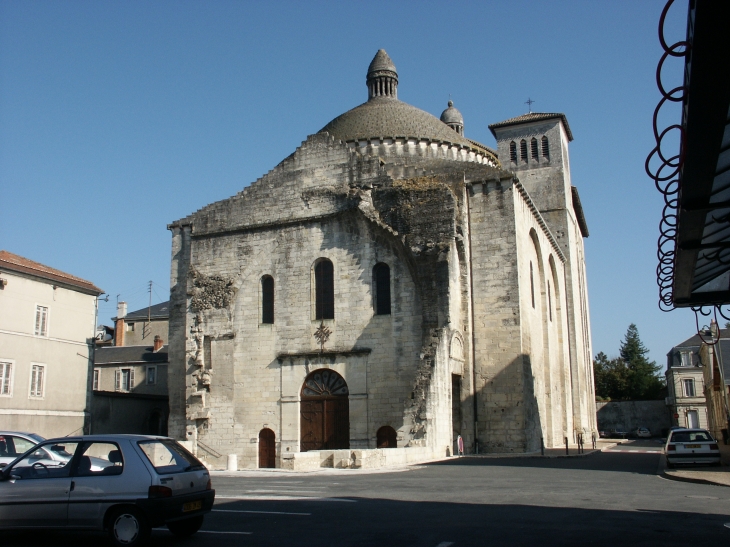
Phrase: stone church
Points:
(388, 287)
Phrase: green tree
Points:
(642, 379)
(611, 376)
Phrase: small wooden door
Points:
(267, 448)
(387, 437)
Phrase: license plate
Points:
(192, 506)
(693, 446)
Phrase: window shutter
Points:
(131, 380)
(117, 378)
(44, 322)
(39, 386)
(33, 379)
(37, 320)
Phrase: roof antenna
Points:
(529, 102)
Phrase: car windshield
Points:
(167, 456)
(690, 436)
(36, 438)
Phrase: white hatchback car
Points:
(691, 446)
(125, 484)
(16, 443)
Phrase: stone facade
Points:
(479, 339)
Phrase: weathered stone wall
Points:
(630, 415)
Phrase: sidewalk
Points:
(706, 475)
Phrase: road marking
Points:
(216, 532)
(260, 512)
(445, 544)
(702, 497)
(284, 498)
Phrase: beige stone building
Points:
(715, 360)
(388, 287)
(686, 384)
(46, 339)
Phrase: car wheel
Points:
(185, 528)
(128, 527)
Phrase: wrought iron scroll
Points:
(668, 168)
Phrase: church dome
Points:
(452, 115)
(386, 117)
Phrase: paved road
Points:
(601, 499)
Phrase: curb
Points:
(663, 473)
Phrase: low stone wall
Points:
(358, 459)
(629, 415)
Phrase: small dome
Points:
(381, 62)
(451, 115)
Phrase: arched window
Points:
(532, 286)
(324, 283)
(545, 148)
(533, 149)
(267, 299)
(523, 150)
(550, 302)
(513, 152)
(381, 282)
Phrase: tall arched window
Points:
(533, 149)
(513, 151)
(532, 286)
(381, 279)
(324, 283)
(267, 299)
(523, 150)
(545, 148)
(550, 302)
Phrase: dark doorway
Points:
(157, 422)
(325, 412)
(267, 449)
(456, 404)
(387, 437)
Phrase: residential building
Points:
(686, 384)
(47, 331)
(715, 358)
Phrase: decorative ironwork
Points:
(322, 334)
(323, 383)
(666, 175)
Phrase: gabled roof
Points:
(18, 264)
(533, 117)
(129, 355)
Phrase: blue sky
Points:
(117, 118)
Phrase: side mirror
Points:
(3, 465)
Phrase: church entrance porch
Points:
(267, 449)
(325, 412)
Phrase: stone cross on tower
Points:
(529, 103)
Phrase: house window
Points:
(685, 359)
(513, 152)
(267, 299)
(124, 379)
(523, 150)
(533, 149)
(545, 148)
(41, 321)
(37, 380)
(689, 388)
(532, 287)
(151, 375)
(130, 327)
(381, 276)
(6, 379)
(324, 282)
(97, 376)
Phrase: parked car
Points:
(642, 432)
(124, 484)
(16, 443)
(691, 446)
(617, 434)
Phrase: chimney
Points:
(119, 325)
(158, 343)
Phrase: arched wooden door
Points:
(267, 448)
(387, 437)
(325, 412)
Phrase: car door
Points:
(35, 491)
(105, 473)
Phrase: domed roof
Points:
(452, 115)
(388, 117)
(380, 62)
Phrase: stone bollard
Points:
(232, 462)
